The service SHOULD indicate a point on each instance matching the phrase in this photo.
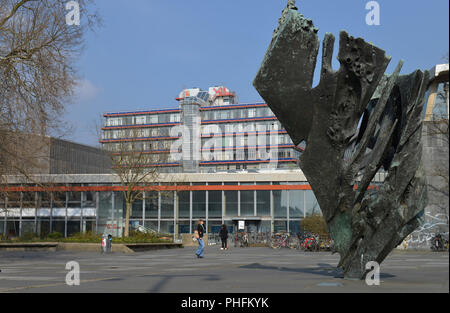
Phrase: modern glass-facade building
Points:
(267, 202)
(209, 133)
(220, 161)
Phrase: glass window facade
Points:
(184, 201)
(167, 201)
(231, 203)
(296, 203)
(183, 227)
(279, 226)
(311, 205)
(151, 204)
(263, 202)
(215, 204)
(250, 112)
(280, 198)
(139, 119)
(104, 211)
(137, 209)
(247, 203)
(199, 204)
(294, 227)
(166, 227)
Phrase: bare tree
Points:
(37, 50)
(136, 168)
(37, 77)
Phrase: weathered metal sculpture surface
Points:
(354, 122)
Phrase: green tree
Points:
(315, 224)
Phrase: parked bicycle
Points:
(310, 243)
(315, 242)
(438, 243)
(278, 240)
(241, 240)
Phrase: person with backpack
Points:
(223, 234)
(198, 234)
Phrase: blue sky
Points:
(148, 50)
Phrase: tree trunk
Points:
(127, 218)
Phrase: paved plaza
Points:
(239, 270)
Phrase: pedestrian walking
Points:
(224, 237)
(198, 234)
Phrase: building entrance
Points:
(250, 225)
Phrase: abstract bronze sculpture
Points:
(354, 122)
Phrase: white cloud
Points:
(85, 90)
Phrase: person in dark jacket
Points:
(201, 245)
(224, 236)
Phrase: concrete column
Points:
(159, 210)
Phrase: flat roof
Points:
(175, 110)
(277, 176)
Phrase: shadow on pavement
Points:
(166, 278)
(323, 269)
